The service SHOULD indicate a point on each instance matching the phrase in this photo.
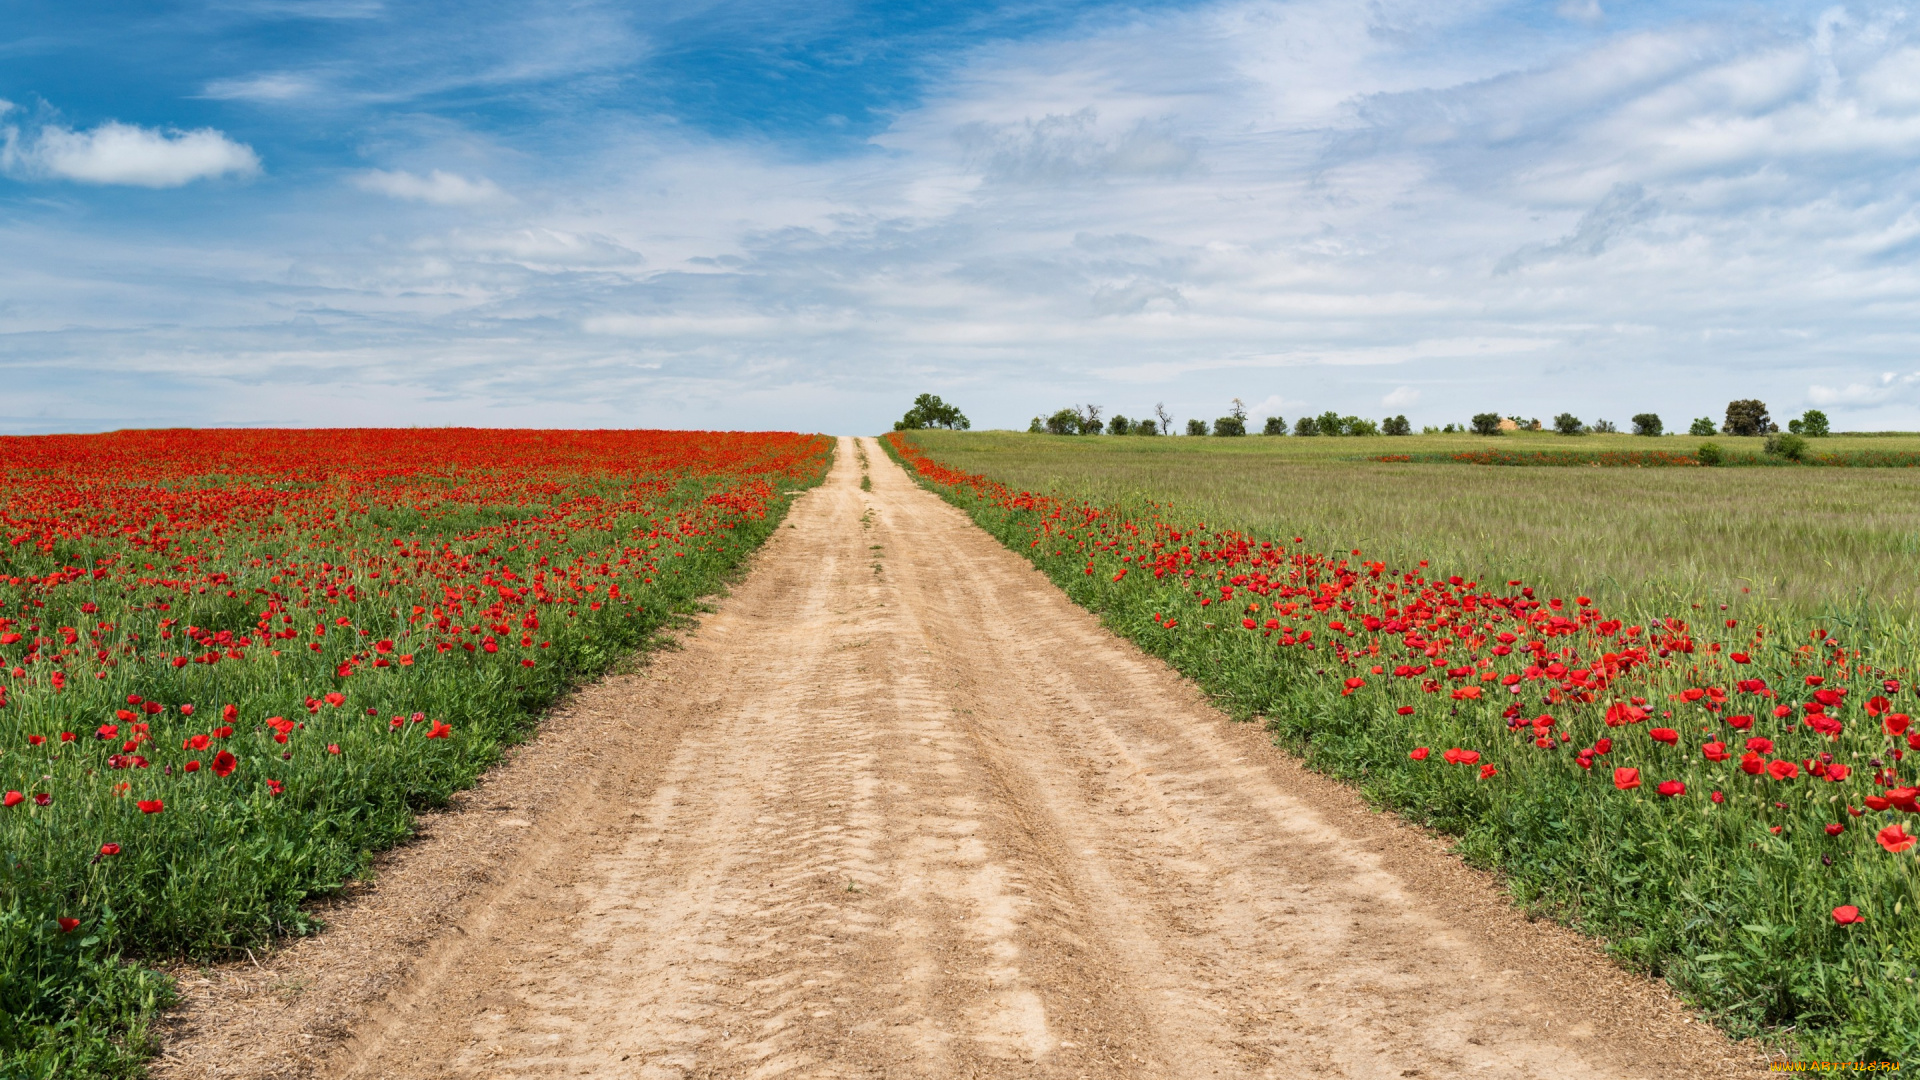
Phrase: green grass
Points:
(1801, 539)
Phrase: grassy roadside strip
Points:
(1767, 880)
(195, 804)
(1657, 459)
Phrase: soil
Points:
(898, 808)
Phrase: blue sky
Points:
(799, 215)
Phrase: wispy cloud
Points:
(437, 187)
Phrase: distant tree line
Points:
(1085, 420)
(1747, 416)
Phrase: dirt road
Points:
(900, 809)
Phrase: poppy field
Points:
(233, 664)
(1726, 790)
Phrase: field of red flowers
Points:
(1730, 805)
(233, 663)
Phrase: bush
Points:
(1647, 423)
(1275, 425)
(1119, 425)
(1748, 416)
(1230, 426)
(1038, 427)
(1604, 427)
(1064, 422)
(1702, 426)
(1196, 427)
(1789, 446)
(1146, 427)
(1568, 424)
(1814, 425)
(1305, 426)
(930, 412)
(1396, 425)
(1486, 423)
(1354, 425)
(1710, 454)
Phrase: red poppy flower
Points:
(12, 799)
(151, 806)
(1419, 753)
(1836, 828)
(1603, 746)
(41, 798)
(1488, 772)
(191, 766)
(1904, 798)
(1782, 769)
(274, 786)
(1847, 915)
(1626, 779)
(224, 764)
(1752, 764)
(1876, 803)
(1665, 735)
(1353, 684)
(1895, 724)
(67, 926)
(1716, 751)
(109, 849)
(1895, 839)
(1742, 658)
(1836, 773)
(1405, 710)
(197, 742)
(36, 740)
(439, 730)
(1760, 746)
(1877, 705)
(1671, 788)
(1717, 798)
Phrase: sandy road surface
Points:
(900, 809)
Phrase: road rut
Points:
(899, 809)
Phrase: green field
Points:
(1804, 539)
(1537, 661)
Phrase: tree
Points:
(1305, 426)
(1814, 424)
(1329, 422)
(1239, 410)
(1604, 427)
(1747, 416)
(1196, 427)
(1166, 418)
(1146, 427)
(1568, 424)
(1118, 425)
(1486, 423)
(1230, 425)
(1275, 425)
(1090, 419)
(1354, 425)
(1396, 425)
(1038, 427)
(1647, 423)
(1702, 426)
(1064, 422)
(930, 412)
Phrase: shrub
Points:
(1814, 424)
(1789, 446)
(1396, 425)
(1196, 427)
(1568, 424)
(1230, 426)
(1305, 426)
(1354, 425)
(1119, 425)
(1604, 427)
(1702, 426)
(1486, 423)
(1647, 423)
(930, 412)
(1275, 425)
(1146, 427)
(1747, 416)
(1710, 454)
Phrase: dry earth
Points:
(900, 809)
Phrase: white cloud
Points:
(270, 86)
(116, 153)
(1401, 397)
(1587, 11)
(1889, 387)
(437, 187)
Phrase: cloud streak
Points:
(125, 154)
